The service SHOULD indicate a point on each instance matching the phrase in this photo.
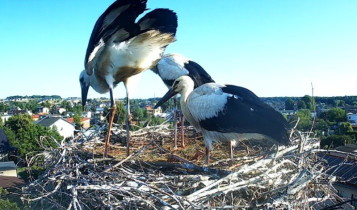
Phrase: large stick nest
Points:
(153, 176)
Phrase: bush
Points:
(335, 141)
(6, 204)
(24, 134)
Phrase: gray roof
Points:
(345, 170)
(48, 121)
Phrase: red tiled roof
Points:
(71, 119)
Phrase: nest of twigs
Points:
(77, 177)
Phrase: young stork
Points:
(227, 112)
(170, 68)
(120, 48)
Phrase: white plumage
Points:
(121, 47)
(207, 101)
(172, 66)
(227, 112)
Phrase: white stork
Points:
(227, 112)
(119, 48)
(171, 67)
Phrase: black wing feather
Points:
(164, 20)
(124, 20)
(195, 71)
(244, 112)
(197, 74)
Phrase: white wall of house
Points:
(87, 114)
(45, 110)
(5, 118)
(64, 128)
(61, 110)
(352, 117)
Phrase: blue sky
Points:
(274, 48)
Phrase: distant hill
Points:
(41, 97)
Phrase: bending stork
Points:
(227, 112)
(171, 67)
(119, 48)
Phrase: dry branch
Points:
(78, 178)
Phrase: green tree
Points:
(156, 121)
(335, 115)
(31, 105)
(305, 120)
(6, 204)
(3, 107)
(301, 105)
(289, 104)
(25, 135)
(168, 105)
(138, 113)
(344, 128)
(335, 141)
(46, 104)
(77, 121)
(321, 127)
(308, 102)
(120, 114)
(339, 103)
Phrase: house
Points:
(85, 122)
(87, 114)
(18, 111)
(41, 109)
(5, 118)
(8, 176)
(352, 118)
(153, 112)
(60, 110)
(7, 182)
(8, 169)
(64, 128)
(344, 168)
(98, 117)
(35, 117)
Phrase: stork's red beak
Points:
(166, 97)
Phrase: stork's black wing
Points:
(197, 74)
(120, 15)
(244, 112)
(164, 20)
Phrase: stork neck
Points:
(185, 92)
(184, 107)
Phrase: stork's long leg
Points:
(182, 130)
(128, 122)
(207, 156)
(111, 119)
(175, 124)
(231, 151)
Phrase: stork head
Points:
(183, 85)
(84, 80)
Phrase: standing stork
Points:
(170, 68)
(120, 48)
(227, 112)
